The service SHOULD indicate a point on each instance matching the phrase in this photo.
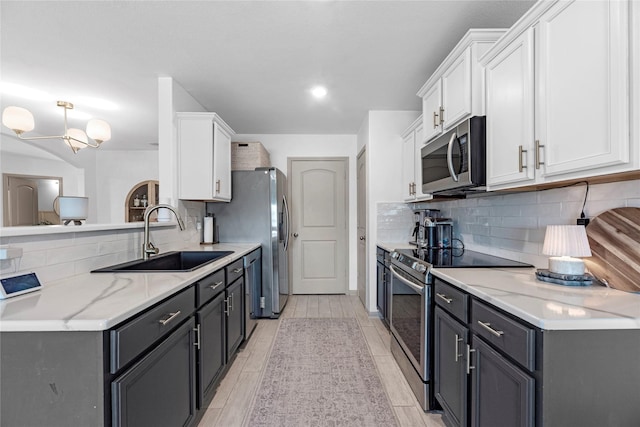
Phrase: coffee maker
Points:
(432, 231)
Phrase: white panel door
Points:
(583, 86)
(510, 120)
(319, 250)
(23, 202)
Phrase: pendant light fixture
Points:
(20, 120)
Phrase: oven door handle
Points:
(419, 289)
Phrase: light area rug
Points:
(321, 373)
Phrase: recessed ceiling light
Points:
(319, 92)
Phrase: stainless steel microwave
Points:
(455, 162)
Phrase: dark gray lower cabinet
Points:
(211, 355)
(383, 284)
(501, 393)
(159, 390)
(235, 316)
(450, 373)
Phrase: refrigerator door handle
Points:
(286, 218)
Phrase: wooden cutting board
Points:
(614, 237)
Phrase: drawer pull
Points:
(215, 285)
(469, 351)
(458, 339)
(237, 270)
(445, 298)
(488, 327)
(170, 318)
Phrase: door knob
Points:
(361, 237)
(295, 234)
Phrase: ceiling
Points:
(252, 62)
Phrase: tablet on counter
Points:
(18, 285)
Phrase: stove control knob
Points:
(420, 268)
(394, 255)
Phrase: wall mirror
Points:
(29, 199)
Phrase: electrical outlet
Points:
(582, 221)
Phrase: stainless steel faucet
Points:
(148, 248)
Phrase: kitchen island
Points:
(77, 351)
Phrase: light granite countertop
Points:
(99, 301)
(546, 305)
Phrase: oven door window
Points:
(407, 314)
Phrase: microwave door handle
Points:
(454, 136)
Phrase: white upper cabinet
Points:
(557, 95)
(455, 91)
(412, 163)
(509, 104)
(408, 166)
(204, 157)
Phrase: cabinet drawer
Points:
(515, 339)
(234, 270)
(452, 300)
(210, 286)
(135, 336)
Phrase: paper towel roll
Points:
(208, 229)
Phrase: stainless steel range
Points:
(412, 309)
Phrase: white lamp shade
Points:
(99, 130)
(79, 138)
(566, 240)
(18, 119)
(73, 208)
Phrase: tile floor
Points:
(232, 402)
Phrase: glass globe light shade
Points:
(98, 130)
(18, 119)
(79, 139)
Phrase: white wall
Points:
(172, 98)
(381, 135)
(281, 147)
(119, 171)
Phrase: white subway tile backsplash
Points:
(513, 225)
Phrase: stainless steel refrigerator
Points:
(258, 212)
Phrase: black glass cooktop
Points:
(459, 258)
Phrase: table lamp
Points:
(563, 243)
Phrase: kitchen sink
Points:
(169, 262)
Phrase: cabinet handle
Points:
(441, 115)
(488, 327)
(469, 351)
(444, 298)
(536, 154)
(237, 270)
(215, 285)
(217, 186)
(226, 306)
(435, 119)
(521, 164)
(409, 188)
(458, 339)
(197, 331)
(170, 318)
